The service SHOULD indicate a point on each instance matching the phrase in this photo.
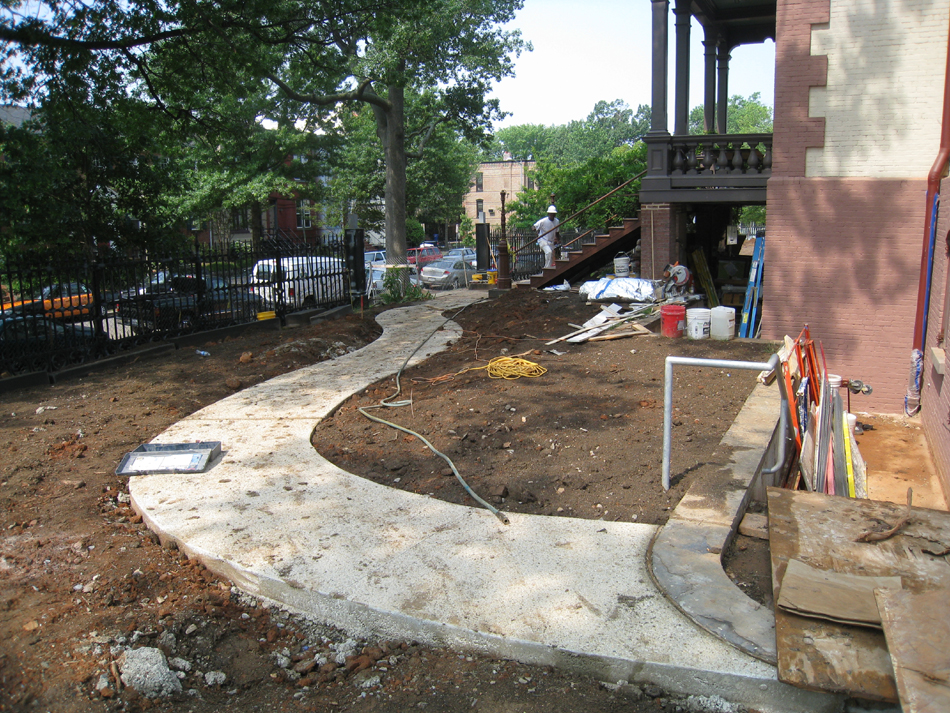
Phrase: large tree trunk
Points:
(390, 126)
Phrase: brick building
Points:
(491, 179)
(861, 138)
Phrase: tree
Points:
(436, 182)
(575, 187)
(524, 142)
(609, 125)
(241, 164)
(743, 116)
(315, 57)
(80, 174)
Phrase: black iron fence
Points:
(61, 311)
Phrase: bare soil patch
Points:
(582, 440)
(81, 579)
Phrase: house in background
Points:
(860, 104)
(483, 202)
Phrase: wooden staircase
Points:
(578, 257)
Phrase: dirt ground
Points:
(81, 579)
(582, 440)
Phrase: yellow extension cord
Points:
(511, 368)
(498, 368)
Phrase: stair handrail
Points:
(583, 210)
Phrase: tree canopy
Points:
(609, 125)
(436, 183)
(309, 58)
(744, 115)
(78, 174)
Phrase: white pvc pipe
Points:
(771, 364)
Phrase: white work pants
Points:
(548, 250)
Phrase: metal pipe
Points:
(771, 365)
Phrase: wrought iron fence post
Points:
(504, 269)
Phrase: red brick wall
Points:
(657, 239)
(843, 256)
(795, 72)
(935, 394)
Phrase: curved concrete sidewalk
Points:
(283, 523)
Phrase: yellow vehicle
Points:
(61, 300)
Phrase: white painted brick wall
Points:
(884, 97)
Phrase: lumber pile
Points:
(610, 323)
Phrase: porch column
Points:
(681, 110)
(710, 44)
(658, 137)
(723, 102)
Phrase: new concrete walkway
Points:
(283, 523)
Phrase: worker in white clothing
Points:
(548, 235)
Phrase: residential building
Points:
(483, 202)
(860, 104)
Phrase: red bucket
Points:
(672, 320)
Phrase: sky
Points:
(601, 50)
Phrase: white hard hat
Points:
(552, 209)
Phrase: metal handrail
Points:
(584, 209)
(771, 365)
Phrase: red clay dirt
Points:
(82, 579)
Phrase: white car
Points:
(374, 257)
(376, 279)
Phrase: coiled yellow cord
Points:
(504, 367)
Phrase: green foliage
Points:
(298, 63)
(743, 116)
(467, 231)
(609, 125)
(752, 214)
(415, 233)
(82, 173)
(436, 181)
(577, 186)
(398, 288)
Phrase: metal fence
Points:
(62, 311)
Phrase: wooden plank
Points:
(917, 629)
(821, 530)
(844, 598)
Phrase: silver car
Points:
(447, 274)
(466, 254)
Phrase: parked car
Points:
(375, 257)
(35, 342)
(466, 254)
(184, 303)
(376, 279)
(305, 281)
(61, 300)
(423, 256)
(447, 273)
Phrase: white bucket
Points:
(622, 266)
(722, 323)
(697, 323)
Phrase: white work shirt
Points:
(543, 226)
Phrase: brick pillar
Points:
(662, 235)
